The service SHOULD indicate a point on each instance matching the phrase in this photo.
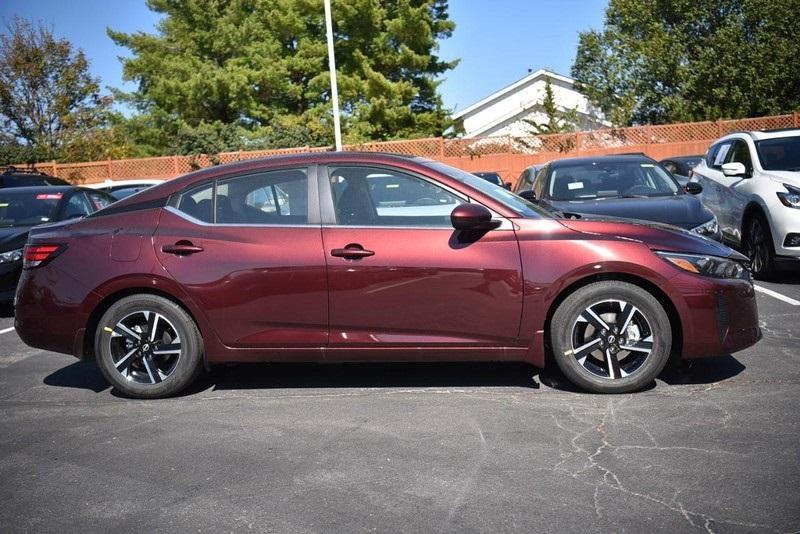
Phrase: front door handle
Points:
(353, 251)
(182, 248)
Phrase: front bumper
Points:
(9, 276)
(719, 316)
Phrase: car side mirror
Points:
(734, 168)
(473, 217)
(507, 185)
(693, 188)
(528, 195)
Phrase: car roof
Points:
(681, 158)
(41, 188)
(619, 158)
(758, 135)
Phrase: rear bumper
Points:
(719, 316)
(45, 322)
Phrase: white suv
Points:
(751, 181)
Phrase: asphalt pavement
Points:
(711, 446)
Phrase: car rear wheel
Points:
(757, 245)
(148, 347)
(611, 337)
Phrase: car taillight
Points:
(35, 255)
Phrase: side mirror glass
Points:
(693, 188)
(528, 195)
(473, 217)
(734, 168)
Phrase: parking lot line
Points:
(6, 330)
(775, 294)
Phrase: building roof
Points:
(511, 88)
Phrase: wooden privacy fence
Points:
(505, 154)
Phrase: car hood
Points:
(685, 211)
(13, 238)
(656, 236)
(785, 177)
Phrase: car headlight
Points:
(790, 199)
(709, 228)
(11, 256)
(712, 266)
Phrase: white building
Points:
(502, 113)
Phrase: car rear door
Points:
(400, 275)
(247, 249)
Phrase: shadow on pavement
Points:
(370, 375)
(702, 371)
(86, 375)
(81, 375)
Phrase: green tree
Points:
(685, 60)
(259, 68)
(557, 120)
(50, 106)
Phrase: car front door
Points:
(248, 250)
(399, 274)
(735, 192)
(711, 178)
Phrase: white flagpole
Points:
(334, 89)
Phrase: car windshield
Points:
(500, 194)
(27, 208)
(780, 154)
(602, 180)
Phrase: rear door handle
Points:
(353, 251)
(181, 248)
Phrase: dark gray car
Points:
(629, 187)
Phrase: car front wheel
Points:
(611, 337)
(148, 347)
(757, 245)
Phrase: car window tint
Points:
(720, 154)
(77, 206)
(610, 179)
(199, 202)
(274, 197)
(382, 197)
(538, 183)
(740, 153)
(99, 201)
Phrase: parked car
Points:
(681, 167)
(525, 180)
(751, 180)
(626, 186)
(377, 258)
(22, 208)
(13, 177)
(493, 177)
(120, 189)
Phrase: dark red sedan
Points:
(371, 257)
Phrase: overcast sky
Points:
(497, 40)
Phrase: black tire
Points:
(757, 245)
(146, 368)
(603, 366)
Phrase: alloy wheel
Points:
(145, 347)
(611, 339)
(757, 249)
